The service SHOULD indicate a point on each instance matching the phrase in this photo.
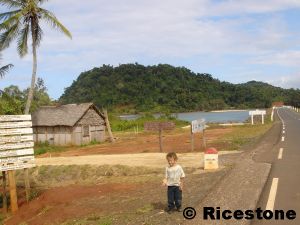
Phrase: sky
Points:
(233, 40)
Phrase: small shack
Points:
(72, 124)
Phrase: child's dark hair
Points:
(172, 155)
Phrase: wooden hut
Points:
(72, 124)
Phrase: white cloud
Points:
(286, 81)
(290, 58)
(116, 31)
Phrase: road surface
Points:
(282, 190)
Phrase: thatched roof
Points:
(64, 115)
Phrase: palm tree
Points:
(22, 23)
(4, 69)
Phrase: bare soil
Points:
(113, 203)
(56, 205)
(138, 200)
(178, 141)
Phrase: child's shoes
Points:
(169, 210)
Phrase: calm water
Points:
(210, 117)
(215, 117)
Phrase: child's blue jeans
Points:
(174, 196)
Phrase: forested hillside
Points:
(134, 87)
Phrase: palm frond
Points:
(6, 15)
(22, 41)
(41, 1)
(8, 36)
(5, 69)
(53, 21)
(12, 3)
(11, 21)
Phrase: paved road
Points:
(282, 190)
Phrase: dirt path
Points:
(140, 159)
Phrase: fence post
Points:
(160, 140)
(4, 197)
(13, 191)
(27, 184)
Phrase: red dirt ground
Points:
(59, 204)
(63, 203)
(147, 142)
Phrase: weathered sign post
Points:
(198, 126)
(16, 151)
(257, 112)
(159, 126)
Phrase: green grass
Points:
(52, 176)
(145, 209)
(44, 147)
(2, 217)
(138, 124)
(90, 220)
(241, 135)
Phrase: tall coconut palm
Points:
(23, 23)
(4, 69)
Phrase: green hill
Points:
(135, 88)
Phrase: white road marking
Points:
(272, 195)
(280, 153)
(282, 139)
(283, 131)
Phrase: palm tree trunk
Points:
(33, 78)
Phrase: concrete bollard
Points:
(211, 161)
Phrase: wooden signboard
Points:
(15, 124)
(156, 126)
(5, 118)
(16, 139)
(16, 131)
(198, 126)
(16, 150)
(22, 159)
(16, 145)
(159, 126)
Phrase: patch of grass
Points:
(90, 220)
(44, 147)
(138, 124)
(44, 210)
(240, 135)
(2, 218)
(34, 193)
(145, 209)
(52, 176)
(93, 142)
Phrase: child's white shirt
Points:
(173, 175)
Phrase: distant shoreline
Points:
(230, 110)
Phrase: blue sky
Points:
(234, 40)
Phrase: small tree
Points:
(24, 22)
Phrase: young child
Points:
(174, 181)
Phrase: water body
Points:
(215, 117)
(210, 117)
